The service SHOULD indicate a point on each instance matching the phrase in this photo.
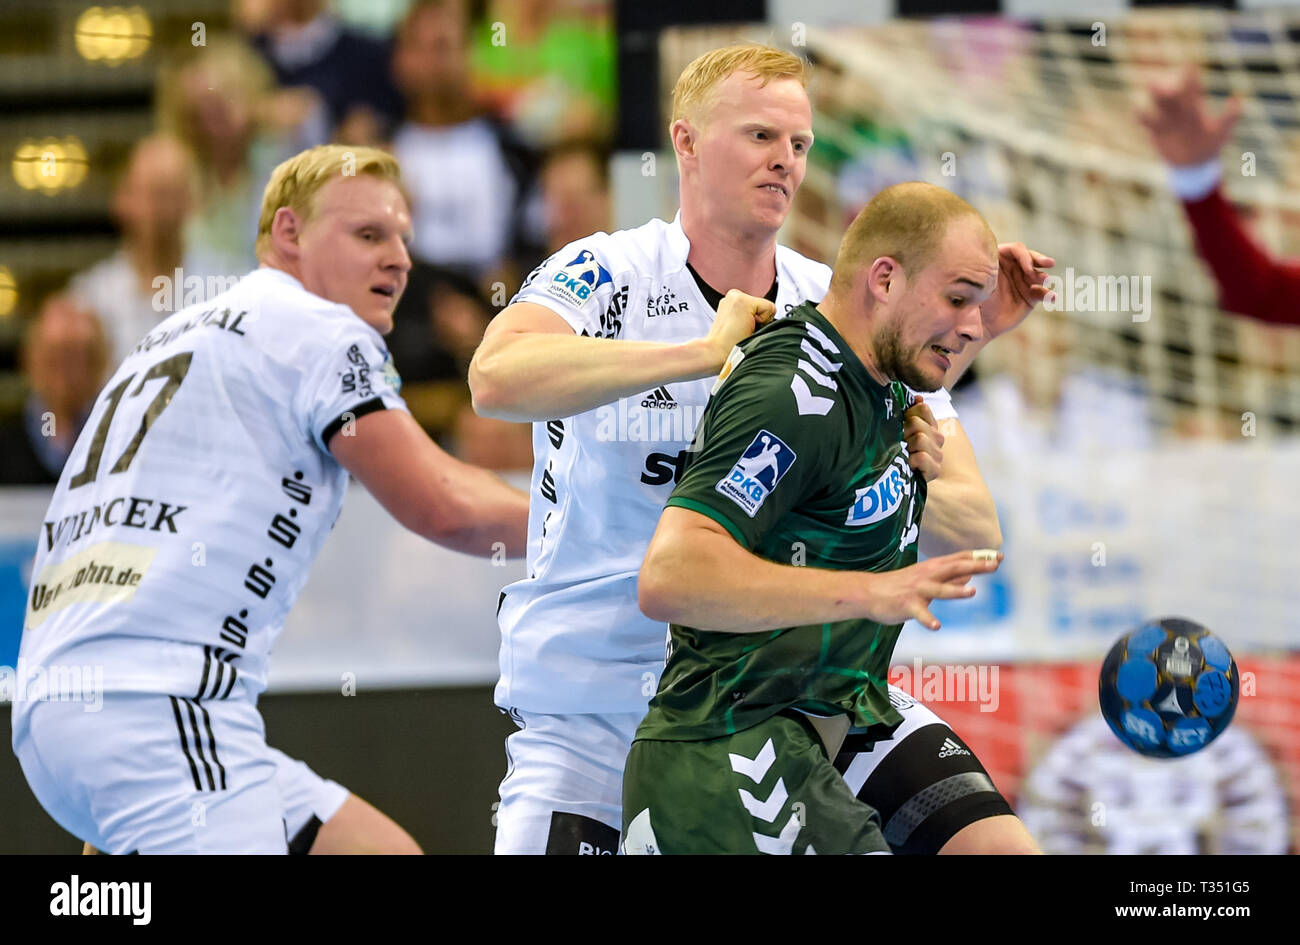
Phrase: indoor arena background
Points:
(1141, 442)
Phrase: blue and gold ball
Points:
(1168, 688)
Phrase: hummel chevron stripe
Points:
(782, 845)
(766, 810)
(754, 768)
(807, 401)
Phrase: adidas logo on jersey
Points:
(659, 399)
(950, 747)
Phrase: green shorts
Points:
(768, 789)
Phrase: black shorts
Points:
(924, 781)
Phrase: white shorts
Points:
(563, 791)
(162, 774)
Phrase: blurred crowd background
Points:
(141, 139)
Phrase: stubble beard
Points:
(898, 364)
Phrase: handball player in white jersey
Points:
(611, 347)
(189, 513)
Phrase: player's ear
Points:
(875, 280)
(684, 138)
(286, 230)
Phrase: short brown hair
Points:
(295, 183)
(906, 222)
(695, 86)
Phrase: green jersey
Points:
(800, 456)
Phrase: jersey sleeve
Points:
(760, 450)
(578, 284)
(352, 375)
(939, 401)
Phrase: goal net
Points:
(1140, 442)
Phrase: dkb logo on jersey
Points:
(757, 472)
(579, 280)
(879, 500)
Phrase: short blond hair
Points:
(694, 92)
(906, 222)
(295, 182)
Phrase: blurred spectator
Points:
(575, 193)
(153, 199)
(1189, 139)
(547, 67)
(1040, 403)
(63, 361)
(469, 179)
(218, 100)
(310, 48)
(438, 325)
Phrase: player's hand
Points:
(905, 594)
(739, 316)
(1022, 284)
(924, 441)
(1181, 127)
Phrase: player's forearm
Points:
(1250, 281)
(522, 376)
(709, 582)
(489, 517)
(959, 509)
(958, 516)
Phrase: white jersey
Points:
(573, 639)
(201, 489)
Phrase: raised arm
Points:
(532, 366)
(695, 574)
(433, 494)
(1189, 137)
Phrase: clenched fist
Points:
(739, 316)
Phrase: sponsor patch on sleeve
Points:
(765, 461)
(578, 281)
(390, 375)
(355, 376)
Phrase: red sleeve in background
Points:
(1250, 282)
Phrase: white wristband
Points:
(1195, 181)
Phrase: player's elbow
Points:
(995, 537)
(654, 589)
(486, 390)
(986, 534)
(987, 531)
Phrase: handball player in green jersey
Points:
(809, 451)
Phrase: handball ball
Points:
(1168, 688)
